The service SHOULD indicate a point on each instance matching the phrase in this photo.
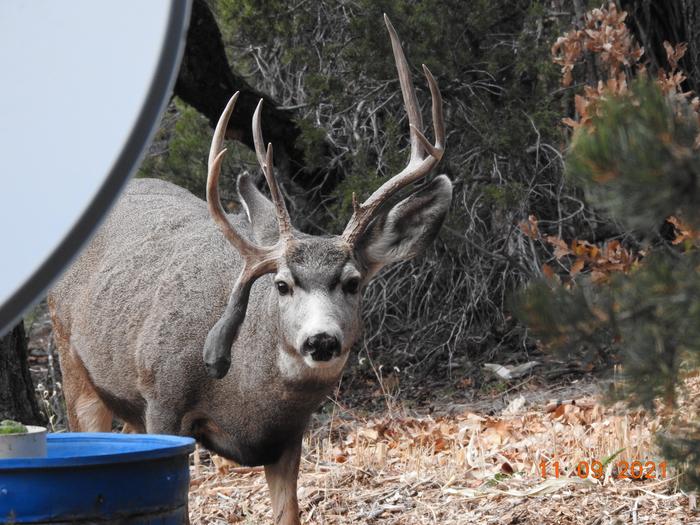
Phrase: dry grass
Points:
(458, 466)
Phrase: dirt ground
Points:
(468, 464)
(387, 449)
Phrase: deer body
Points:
(232, 330)
(160, 253)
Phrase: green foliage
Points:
(683, 446)
(182, 145)
(364, 177)
(657, 312)
(184, 160)
(606, 461)
(311, 141)
(505, 196)
(648, 319)
(490, 57)
(332, 61)
(498, 477)
(7, 426)
(640, 164)
(567, 319)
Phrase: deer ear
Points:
(407, 228)
(260, 210)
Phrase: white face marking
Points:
(316, 318)
(295, 366)
(317, 305)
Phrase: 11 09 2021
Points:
(621, 469)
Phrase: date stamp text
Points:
(620, 470)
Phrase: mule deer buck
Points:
(149, 297)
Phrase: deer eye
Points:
(282, 287)
(351, 285)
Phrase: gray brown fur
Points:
(160, 255)
(132, 313)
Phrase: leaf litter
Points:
(463, 467)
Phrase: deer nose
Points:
(321, 347)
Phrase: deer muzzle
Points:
(321, 347)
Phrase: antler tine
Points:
(419, 164)
(408, 91)
(265, 161)
(216, 156)
(438, 118)
(217, 141)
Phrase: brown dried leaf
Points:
(598, 276)
(674, 54)
(577, 266)
(561, 249)
(548, 271)
(682, 231)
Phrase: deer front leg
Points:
(282, 482)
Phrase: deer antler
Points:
(265, 161)
(251, 252)
(424, 155)
(258, 260)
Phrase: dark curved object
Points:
(206, 82)
(146, 124)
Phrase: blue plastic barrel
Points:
(133, 479)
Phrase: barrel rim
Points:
(164, 446)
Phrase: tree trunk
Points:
(675, 21)
(17, 399)
(206, 82)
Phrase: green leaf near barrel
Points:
(7, 426)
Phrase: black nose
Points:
(321, 347)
